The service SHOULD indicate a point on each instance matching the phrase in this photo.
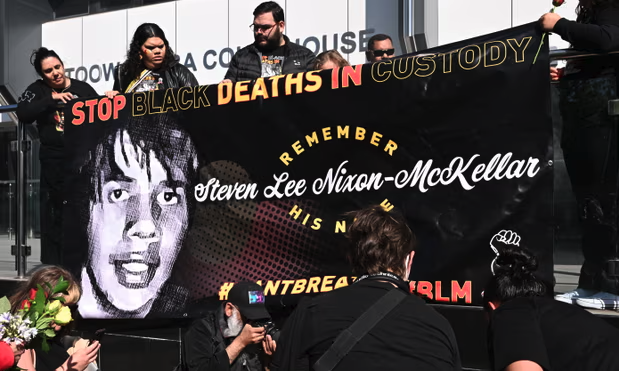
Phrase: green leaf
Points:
(49, 286)
(34, 316)
(5, 305)
(44, 345)
(60, 299)
(50, 333)
(39, 300)
(43, 323)
(61, 286)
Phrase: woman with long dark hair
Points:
(150, 65)
(589, 143)
(40, 103)
(57, 359)
(530, 331)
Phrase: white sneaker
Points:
(571, 296)
(601, 300)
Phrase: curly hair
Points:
(132, 66)
(586, 9)
(379, 241)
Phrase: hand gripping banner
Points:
(175, 195)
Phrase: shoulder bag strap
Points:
(347, 339)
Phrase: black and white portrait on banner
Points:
(140, 177)
(180, 193)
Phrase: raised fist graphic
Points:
(499, 241)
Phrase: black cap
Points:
(249, 298)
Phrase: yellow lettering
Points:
(360, 133)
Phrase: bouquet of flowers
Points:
(37, 317)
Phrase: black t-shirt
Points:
(555, 335)
(412, 336)
(272, 62)
(36, 104)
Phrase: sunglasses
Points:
(380, 53)
(261, 27)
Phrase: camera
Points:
(269, 327)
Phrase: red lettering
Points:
(461, 292)
(119, 103)
(425, 288)
(105, 105)
(91, 109)
(335, 82)
(353, 74)
(438, 292)
(78, 113)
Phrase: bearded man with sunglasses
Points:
(380, 46)
(272, 53)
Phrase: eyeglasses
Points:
(380, 53)
(261, 27)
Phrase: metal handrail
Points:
(8, 108)
(566, 54)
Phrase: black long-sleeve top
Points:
(600, 34)
(37, 104)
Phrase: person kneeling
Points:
(376, 323)
(226, 339)
(530, 331)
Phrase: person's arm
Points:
(233, 69)
(81, 358)
(249, 335)
(199, 350)
(26, 361)
(603, 36)
(524, 366)
(311, 59)
(33, 102)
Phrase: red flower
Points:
(33, 294)
(25, 304)
(557, 2)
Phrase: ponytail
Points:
(41, 54)
(514, 277)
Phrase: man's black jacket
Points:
(205, 347)
(246, 64)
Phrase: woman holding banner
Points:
(40, 103)
(150, 65)
(589, 145)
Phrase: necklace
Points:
(63, 90)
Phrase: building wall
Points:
(206, 33)
(20, 33)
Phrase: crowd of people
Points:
(376, 323)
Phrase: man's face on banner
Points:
(137, 225)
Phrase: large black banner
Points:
(173, 196)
